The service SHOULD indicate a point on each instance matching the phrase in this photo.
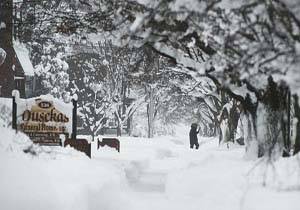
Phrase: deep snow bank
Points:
(12, 142)
(53, 177)
(160, 173)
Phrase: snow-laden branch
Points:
(2, 56)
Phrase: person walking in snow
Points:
(193, 136)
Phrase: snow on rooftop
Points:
(23, 56)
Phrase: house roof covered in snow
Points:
(23, 56)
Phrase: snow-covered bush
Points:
(52, 71)
(5, 112)
(18, 144)
(14, 142)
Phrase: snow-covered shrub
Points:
(53, 72)
(5, 112)
(18, 144)
(139, 124)
(282, 175)
(51, 67)
(14, 142)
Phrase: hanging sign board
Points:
(46, 120)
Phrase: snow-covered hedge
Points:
(18, 144)
(5, 112)
(10, 141)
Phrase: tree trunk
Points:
(234, 117)
(286, 127)
(276, 103)
(93, 135)
(297, 115)
(150, 112)
(129, 125)
(119, 129)
(119, 126)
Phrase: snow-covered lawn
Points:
(161, 173)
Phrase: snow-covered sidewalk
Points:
(161, 173)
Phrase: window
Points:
(18, 83)
(28, 87)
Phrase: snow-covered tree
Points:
(243, 42)
(52, 71)
(119, 62)
(236, 44)
(89, 82)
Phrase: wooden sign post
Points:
(74, 123)
(14, 109)
(46, 120)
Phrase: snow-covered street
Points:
(161, 173)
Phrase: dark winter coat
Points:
(193, 135)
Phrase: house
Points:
(24, 72)
(17, 71)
